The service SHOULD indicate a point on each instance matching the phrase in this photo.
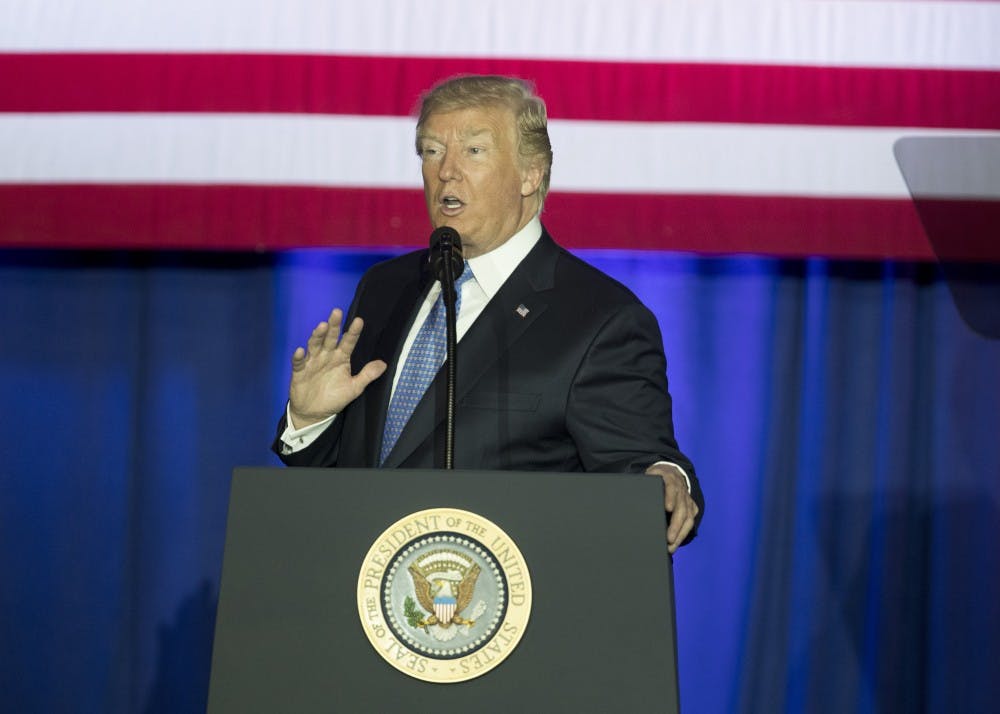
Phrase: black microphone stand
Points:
(446, 258)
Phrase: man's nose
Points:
(449, 169)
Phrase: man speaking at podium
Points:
(559, 367)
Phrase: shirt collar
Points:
(492, 269)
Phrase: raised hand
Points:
(322, 383)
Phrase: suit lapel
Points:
(511, 312)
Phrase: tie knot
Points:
(465, 276)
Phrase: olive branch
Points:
(414, 616)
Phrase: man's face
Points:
(473, 178)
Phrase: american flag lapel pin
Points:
(522, 310)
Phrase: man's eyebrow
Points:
(484, 135)
(476, 133)
(468, 134)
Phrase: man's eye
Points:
(476, 149)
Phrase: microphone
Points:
(446, 246)
(447, 264)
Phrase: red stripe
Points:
(612, 91)
(264, 218)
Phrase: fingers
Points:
(319, 333)
(322, 381)
(670, 494)
(677, 502)
(676, 506)
(332, 333)
(326, 336)
(681, 522)
(351, 335)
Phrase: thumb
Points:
(371, 371)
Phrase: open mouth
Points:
(451, 203)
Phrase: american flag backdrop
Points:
(712, 126)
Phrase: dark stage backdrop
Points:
(844, 419)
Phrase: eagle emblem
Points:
(444, 582)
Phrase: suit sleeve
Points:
(322, 452)
(619, 411)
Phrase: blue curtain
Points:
(844, 418)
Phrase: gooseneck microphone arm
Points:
(447, 264)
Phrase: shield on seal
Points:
(444, 608)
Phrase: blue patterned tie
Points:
(425, 359)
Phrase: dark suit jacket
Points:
(577, 384)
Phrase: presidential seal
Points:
(444, 595)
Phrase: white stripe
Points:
(842, 32)
(729, 159)
(353, 151)
(192, 148)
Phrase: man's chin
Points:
(454, 222)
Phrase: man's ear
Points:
(531, 178)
